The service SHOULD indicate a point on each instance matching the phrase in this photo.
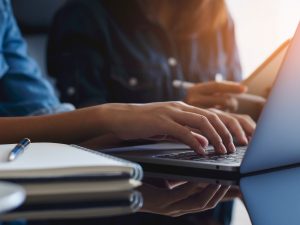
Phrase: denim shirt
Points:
(109, 51)
(23, 90)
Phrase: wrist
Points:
(103, 115)
(113, 117)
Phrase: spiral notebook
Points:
(68, 162)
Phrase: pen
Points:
(18, 149)
(243, 96)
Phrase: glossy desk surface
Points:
(270, 198)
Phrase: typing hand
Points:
(241, 126)
(190, 125)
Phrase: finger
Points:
(203, 141)
(171, 184)
(197, 201)
(219, 126)
(235, 128)
(233, 192)
(183, 135)
(213, 87)
(218, 197)
(201, 123)
(220, 101)
(180, 192)
(247, 123)
(222, 131)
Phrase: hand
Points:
(240, 126)
(175, 119)
(215, 94)
(252, 105)
(186, 197)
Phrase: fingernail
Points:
(245, 140)
(201, 150)
(231, 147)
(222, 149)
(204, 145)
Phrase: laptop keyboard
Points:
(211, 156)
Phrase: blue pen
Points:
(18, 149)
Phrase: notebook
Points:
(68, 162)
(50, 187)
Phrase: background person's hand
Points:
(251, 107)
(175, 119)
(215, 94)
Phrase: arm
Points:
(23, 89)
(69, 127)
(190, 125)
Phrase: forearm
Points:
(70, 127)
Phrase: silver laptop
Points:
(276, 141)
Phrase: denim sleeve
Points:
(23, 89)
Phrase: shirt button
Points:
(172, 61)
(71, 91)
(218, 77)
(133, 81)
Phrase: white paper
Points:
(149, 147)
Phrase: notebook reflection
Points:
(76, 206)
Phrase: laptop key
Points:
(210, 157)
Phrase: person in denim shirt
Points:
(116, 51)
(23, 89)
(25, 92)
(124, 51)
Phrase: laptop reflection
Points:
(273, 198)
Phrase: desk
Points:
(271, 198)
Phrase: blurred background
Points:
(261, 26)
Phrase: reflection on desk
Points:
(177, 198)
(164, 201)
(73, 206)
(273, 198)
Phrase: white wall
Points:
(261, 26)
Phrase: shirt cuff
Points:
(63, 107)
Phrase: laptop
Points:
(275, 143)
(262, 79)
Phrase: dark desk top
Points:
(270, 198)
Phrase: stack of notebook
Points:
(49, 168)
(67, 181)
